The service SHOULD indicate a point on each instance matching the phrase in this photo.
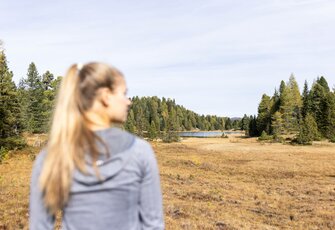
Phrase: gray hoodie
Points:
(129, 196)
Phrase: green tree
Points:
(275, 101)
(164, 115)
(236, 124)
(140, 121)
(253, 131)
(221, 123)
(9, 106)
(192, 119)
(277, 124)
(130, 123)
(264, 136)
(323, 82)
(154, 116)
(296, 101)
(264, 114)
(282, 88)
(287, 110)
(245, 124)
(228, 124)
(323, 109)
(48, 100)
(306, 101)
(308, 130)
(32, 100)
(152, 134)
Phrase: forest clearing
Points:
(236, 98)
(216, 183)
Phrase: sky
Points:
(214, 57)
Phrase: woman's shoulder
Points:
(144, 149)
(141, 144)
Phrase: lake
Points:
(208, 133)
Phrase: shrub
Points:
(15, 142)
(278, 138)
(3, 153)
(170, 136)
(264, 137)
(224, 135)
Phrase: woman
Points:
(101, 177)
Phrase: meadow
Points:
(216, 183)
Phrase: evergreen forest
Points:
(308, 116)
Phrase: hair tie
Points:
(79, 66)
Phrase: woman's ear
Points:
(105, 97)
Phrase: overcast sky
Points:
(212, 56)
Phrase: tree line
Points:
(28, 106)
(25, 107)
(308, 116)
(162, 118)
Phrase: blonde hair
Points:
(70, 138)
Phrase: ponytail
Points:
(70, 138)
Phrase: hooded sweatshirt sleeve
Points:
(151, 207)
(38, 215)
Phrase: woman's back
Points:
(128, 195)
(95, 190)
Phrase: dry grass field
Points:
(217, 183)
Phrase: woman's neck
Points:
(96, 121)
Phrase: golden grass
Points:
(218, 183)
(14, 189)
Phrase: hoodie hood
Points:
(119, 144)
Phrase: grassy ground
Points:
(214, 183)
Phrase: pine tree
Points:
(245, 123)
(172, 124)
(171, 135)
(282, 88)
(130, 123)
(228, 124)
(277, 125)
(236, 124)
(308, 130)
(296, 102)
(328, 128)
(320, 107)
(9, 106)
(32, 91)
(164, 115)
(275, 101)
(222, 123)
(48, 100)
(287, 110)
(140, 121)
(253, 131)
(152, 134)
(296, 97)
(322, 81)
(264, 115)
(186, 122)
(306, 101)
(192, 119)
(179, 118)
(154, 116)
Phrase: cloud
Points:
(214, 56)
